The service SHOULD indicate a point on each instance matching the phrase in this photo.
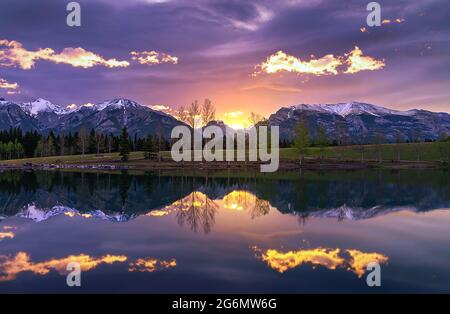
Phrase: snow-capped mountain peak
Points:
(118, 103)
(41, 105)
(347, 108)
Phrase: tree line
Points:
(303, 140)
(14, 143)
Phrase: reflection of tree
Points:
(261, 208)
(196, 209)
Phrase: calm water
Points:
(174, 232)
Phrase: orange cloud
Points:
(360, 260)
(4, 84)
(151, 264)
(10, 267)
(327, 65)
(282, 62)
(153, 57)
(357, 62)
(12, 53)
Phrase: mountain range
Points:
(352, 121)
(107, 117)
(360, 122)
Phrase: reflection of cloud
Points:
(388, 21)
(153, 57)
(282, 262)
(326, 257)
(360, 260)
(12, 53)
(326, 65)
(151, 264)
(10, 267)
(4, 235)
(357, 62)
(4, 84)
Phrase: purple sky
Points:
(218, 45)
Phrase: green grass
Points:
(71, 159)
(408, 152)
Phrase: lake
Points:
(225, 232)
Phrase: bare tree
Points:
(341, 135)
(255, 118)
(378, 141)
(398, 142)
(62, 144)
(82, 138)
(191, 115)
(99, 142)
(208, 112)
(109, 139)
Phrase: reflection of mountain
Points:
(120, 197)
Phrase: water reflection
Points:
(12, 266)
(151, 264)
(246, 233)
(196, 200)
(356, 261)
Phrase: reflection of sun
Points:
(238, 200)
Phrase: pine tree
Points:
(322, 140)
(302, 139)
(124, 145)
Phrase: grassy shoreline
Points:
(412, 155)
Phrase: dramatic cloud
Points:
(12, 53)
(153, 57)
(151, 264)
(282, 62)
(326, 65)
(4, 84)
(357, 62)
(263, 15)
